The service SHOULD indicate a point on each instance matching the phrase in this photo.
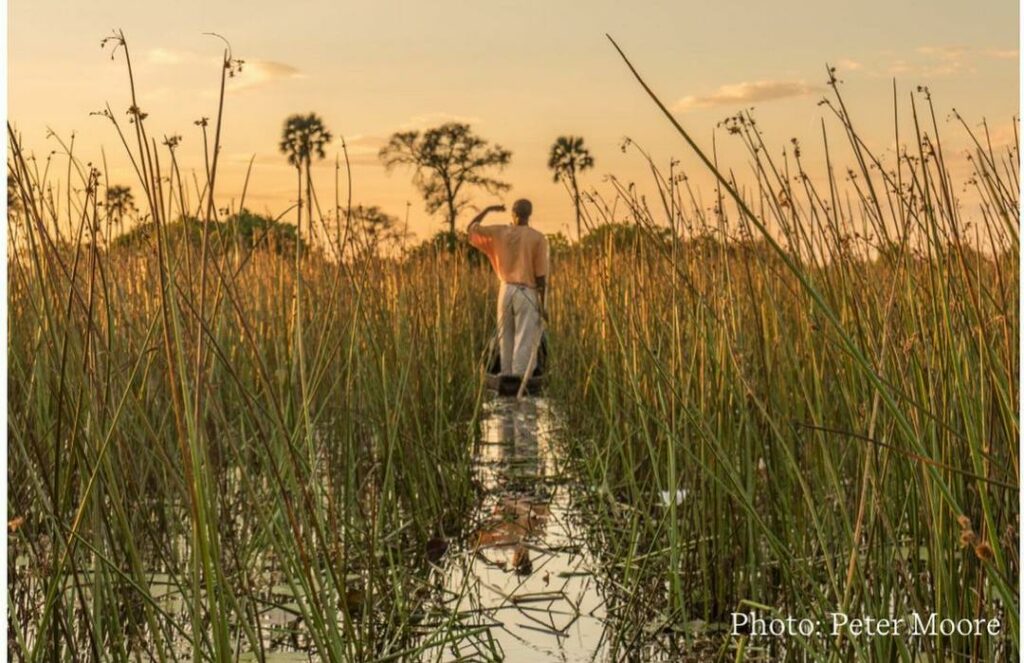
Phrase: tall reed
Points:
(799, 401)
(827, 370)
(178, 474)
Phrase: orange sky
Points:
(521, 73)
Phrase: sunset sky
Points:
(520, 73)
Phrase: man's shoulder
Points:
(486, 231)
(537, 235)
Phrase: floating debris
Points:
(680, 496)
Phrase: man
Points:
(519, 255)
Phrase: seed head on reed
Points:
(984, 552)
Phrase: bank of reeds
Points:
(822, 369)
(828, 371)
(201, 434)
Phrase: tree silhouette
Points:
(13, 199)
(303, 140)
(569, 157)
(120, 202)
(304, 137)
(448, 160)
(374, 228)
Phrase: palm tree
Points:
(569, 157)
(302, 140)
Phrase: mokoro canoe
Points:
(508, 385)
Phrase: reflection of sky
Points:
(526, 506)
(552, 612)
(556, 611)
(517, 432)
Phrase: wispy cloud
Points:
(947, 52)
(934, 61)
(746, 93)
(363, 149)
(952, 59)
(943, 60)
(899, 67)
(169, 56)
(256, 73)
(364, 143)
(1002, 53)
(847, 64)
(428, 120)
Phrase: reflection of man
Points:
(519, 516)
(519, 255)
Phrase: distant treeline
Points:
(247, 231)
(244, 230)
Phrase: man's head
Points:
(521, 211)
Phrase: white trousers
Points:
(518, 327)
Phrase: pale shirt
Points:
(519, 254)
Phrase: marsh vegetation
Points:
(800, 399)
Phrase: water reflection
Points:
(514, 458)
(526, 577)
(531, 571)
(525, 572)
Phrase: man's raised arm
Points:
(480, 217)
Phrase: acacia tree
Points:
(374, 228)
(447, 160)
(568, 157)
(302, 140)
(120, 202)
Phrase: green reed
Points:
(200, 432)
(828, 368)
(190, 447)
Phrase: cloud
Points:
(948, 53)
(429, 120)
(168, 56)
(744, 93)
(363, 149)
(846, 64)
(934, 61)
(364, 159)
(943, 60)
(256, 73)
(363, 141)
(899, 67)
(1002, 53)
(363, 144)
